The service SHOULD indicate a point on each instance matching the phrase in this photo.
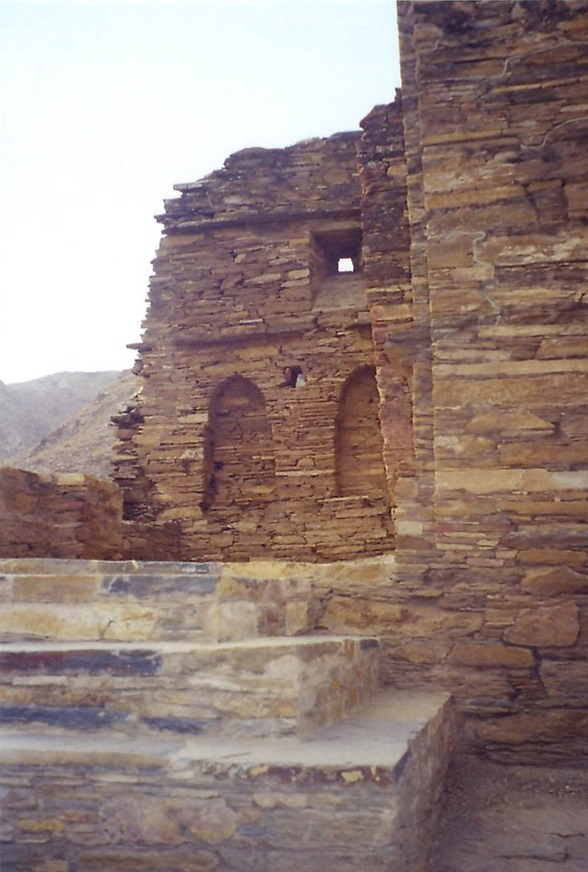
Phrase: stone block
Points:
(99, 621)
(555, 581)
(506, 420)
(360, 614)
(55, 588)
(567, 390)
(224, 621)
(540, 729)
(491, 655)
(548, 626)
(141, 860)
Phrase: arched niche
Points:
(239, 460)
(359, 460)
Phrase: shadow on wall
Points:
(239, 464)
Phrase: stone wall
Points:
(254, 339)
(494, 98)
(64, 516)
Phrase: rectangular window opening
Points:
(335, 261)
(336, 252)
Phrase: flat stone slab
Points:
(254, 687)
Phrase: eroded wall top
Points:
(313, 176)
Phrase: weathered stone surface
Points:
(159, 820)
(565, 680)
(96, 621)
(535, 729)
(475, 654)
(141, 860)
(55, 588)
(231, 620)
(258, 687)
(92, 600)
(361, 614)
(417, 651)
(416, 621)
(555, 581)
(545, 626)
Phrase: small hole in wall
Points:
(345, 265)
(295, 377)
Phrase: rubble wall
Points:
(494, 107)
(64, 516)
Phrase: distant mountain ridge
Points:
(61, 422)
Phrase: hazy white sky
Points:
(104, 106)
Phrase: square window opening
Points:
(336, 252)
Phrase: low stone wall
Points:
(69, 516)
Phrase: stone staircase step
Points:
(264, 686)
(90, 600)
(360, 796)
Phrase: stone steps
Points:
(360, 796)
(267, 686)
(181, 716)
(91, 600)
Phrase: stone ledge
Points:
(258, 687)
(376, 736)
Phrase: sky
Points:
(106, 104)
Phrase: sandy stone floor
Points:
(500, 818)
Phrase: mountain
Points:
(13, 424)
(60, 423)
(84, 443)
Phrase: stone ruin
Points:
(258, 431)
(358, 447)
